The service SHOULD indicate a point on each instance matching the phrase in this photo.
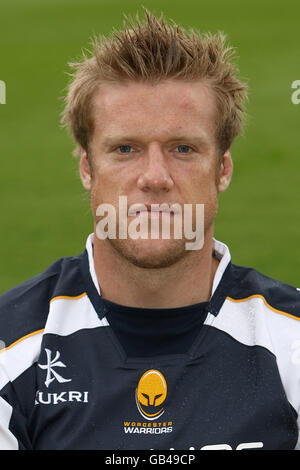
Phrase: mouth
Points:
(154, 208)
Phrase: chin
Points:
(151, 254)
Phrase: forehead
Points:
(163, 108)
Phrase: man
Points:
(139, 342)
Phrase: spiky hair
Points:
(151, 51)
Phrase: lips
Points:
(137, 208)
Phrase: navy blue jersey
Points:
(69, 379)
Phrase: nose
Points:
(155, 175)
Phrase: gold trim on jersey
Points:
(68, 297)
(266, 303)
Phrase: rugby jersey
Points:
(68, 380)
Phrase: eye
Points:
(124, 148)
(183, 148)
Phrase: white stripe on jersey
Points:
(7, 439)
(67, 315)
(20, 356)
(252, 322)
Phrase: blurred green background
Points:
(44, 210)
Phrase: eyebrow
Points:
(108, 141)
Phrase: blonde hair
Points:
(153, 51)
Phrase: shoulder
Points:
(261, 311)
(249, 284)
(24, 309)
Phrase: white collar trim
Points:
(221, 252)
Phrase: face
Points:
(155, 144)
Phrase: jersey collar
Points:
(221, 252)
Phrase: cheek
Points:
(106, 187)
(98, 191)
(201, 186)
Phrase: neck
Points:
(187, 282)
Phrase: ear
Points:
(225, 171)
(85, 170)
